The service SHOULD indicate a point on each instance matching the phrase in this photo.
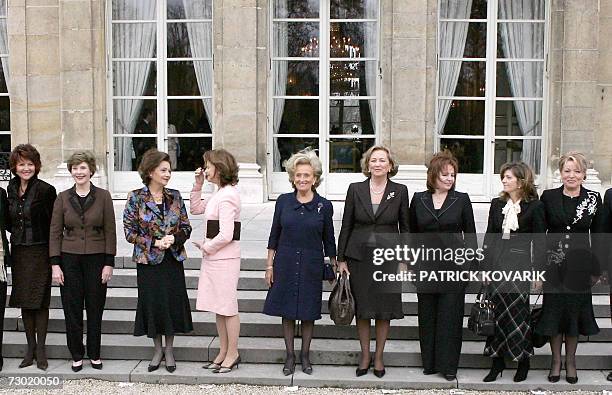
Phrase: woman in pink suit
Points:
(218, 284)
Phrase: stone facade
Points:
(59, 84)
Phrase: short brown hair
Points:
(150, 160)
(24, 152)
(437, 164)
(526, 180)
(225, 165)
(82, 157)
(574, 156)
(365, 159)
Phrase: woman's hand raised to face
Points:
(199, 176)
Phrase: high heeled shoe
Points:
(28, 359)
(170, 368)
(152, 368)
(289, 367)
(428, 372)
(379, 373)
(211, 365)
(571, 379)
(497, 369)
(554, 379)
(41, 358)
(97, 366)
(227, 369)
(77, 368)
(306, 365)
(522, 371)
(361, 371)
(450, 377)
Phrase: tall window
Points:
(324, 80)
(491, 82)
(5, 106)
(162, 75)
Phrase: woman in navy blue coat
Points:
(302, 235)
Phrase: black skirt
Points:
(375, 299)
(31, 277)
(567, 313)
(163, 305)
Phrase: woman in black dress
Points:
(155, 221)
(375, 214)
(4, 263)
(514, 242)
(574, 215)
(608, 253)
(437, 211)
(30, 208)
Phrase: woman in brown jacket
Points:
(82, 248)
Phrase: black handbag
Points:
(328, 272)
(482, 315)
(212, 229)
(534, 318)
(341, 303)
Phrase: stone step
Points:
(253, 301)
(398, 353)
(260, 325)
(135, 370)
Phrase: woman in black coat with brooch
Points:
(574, 216)
(514, 241)
(442, 218)
(607, 221)
(375, 215)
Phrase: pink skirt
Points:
(218, 286)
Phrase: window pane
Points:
(129, 116)
(469, 153)
(5, 147)
(353, 9)
(5, 114)
(520, 40)
(134, 78)
(353, 40)
(296, 8)
(3, 87)
(296, 39)
(518, 118)
(190, 78)
(134, 40)
(352, 78)
(129, 151)
(352, 116)
(3, 7)
(196, 9)
(186, 153)
(455, 9)
(520, 9)
(190, 40)
(189, 116)
(520, 79)
(464, 116)
(475, 45)
(345, 155)
(295, 78)
(284, 147)
(298, 116)
(134, 10)
(527, 151)
(471, 80)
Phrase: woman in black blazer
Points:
(608, 251)
(442, 210)
(514, 241)
(575, 220)
(4, 264)
(375, 213)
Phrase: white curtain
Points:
(200, 42)
(525, 41)
(370, 50)
(4, 46)
(131, 41)
(279, 75)
(451, 45)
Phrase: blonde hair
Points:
(306, 156)
(574, 156)
(365, 159)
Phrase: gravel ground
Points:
(83, 387)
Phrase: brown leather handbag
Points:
(341, 302)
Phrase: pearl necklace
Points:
(377, 192)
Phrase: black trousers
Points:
(83, 283)
(440, 330)
(2, 306)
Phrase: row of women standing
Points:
(377, 209)
(71, 239)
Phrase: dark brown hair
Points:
(82, 156)
(225, 165)
(150, 160)
(437, 164)
(526, 180)
(24, 152)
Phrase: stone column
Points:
(603, 95)
(235, 74)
